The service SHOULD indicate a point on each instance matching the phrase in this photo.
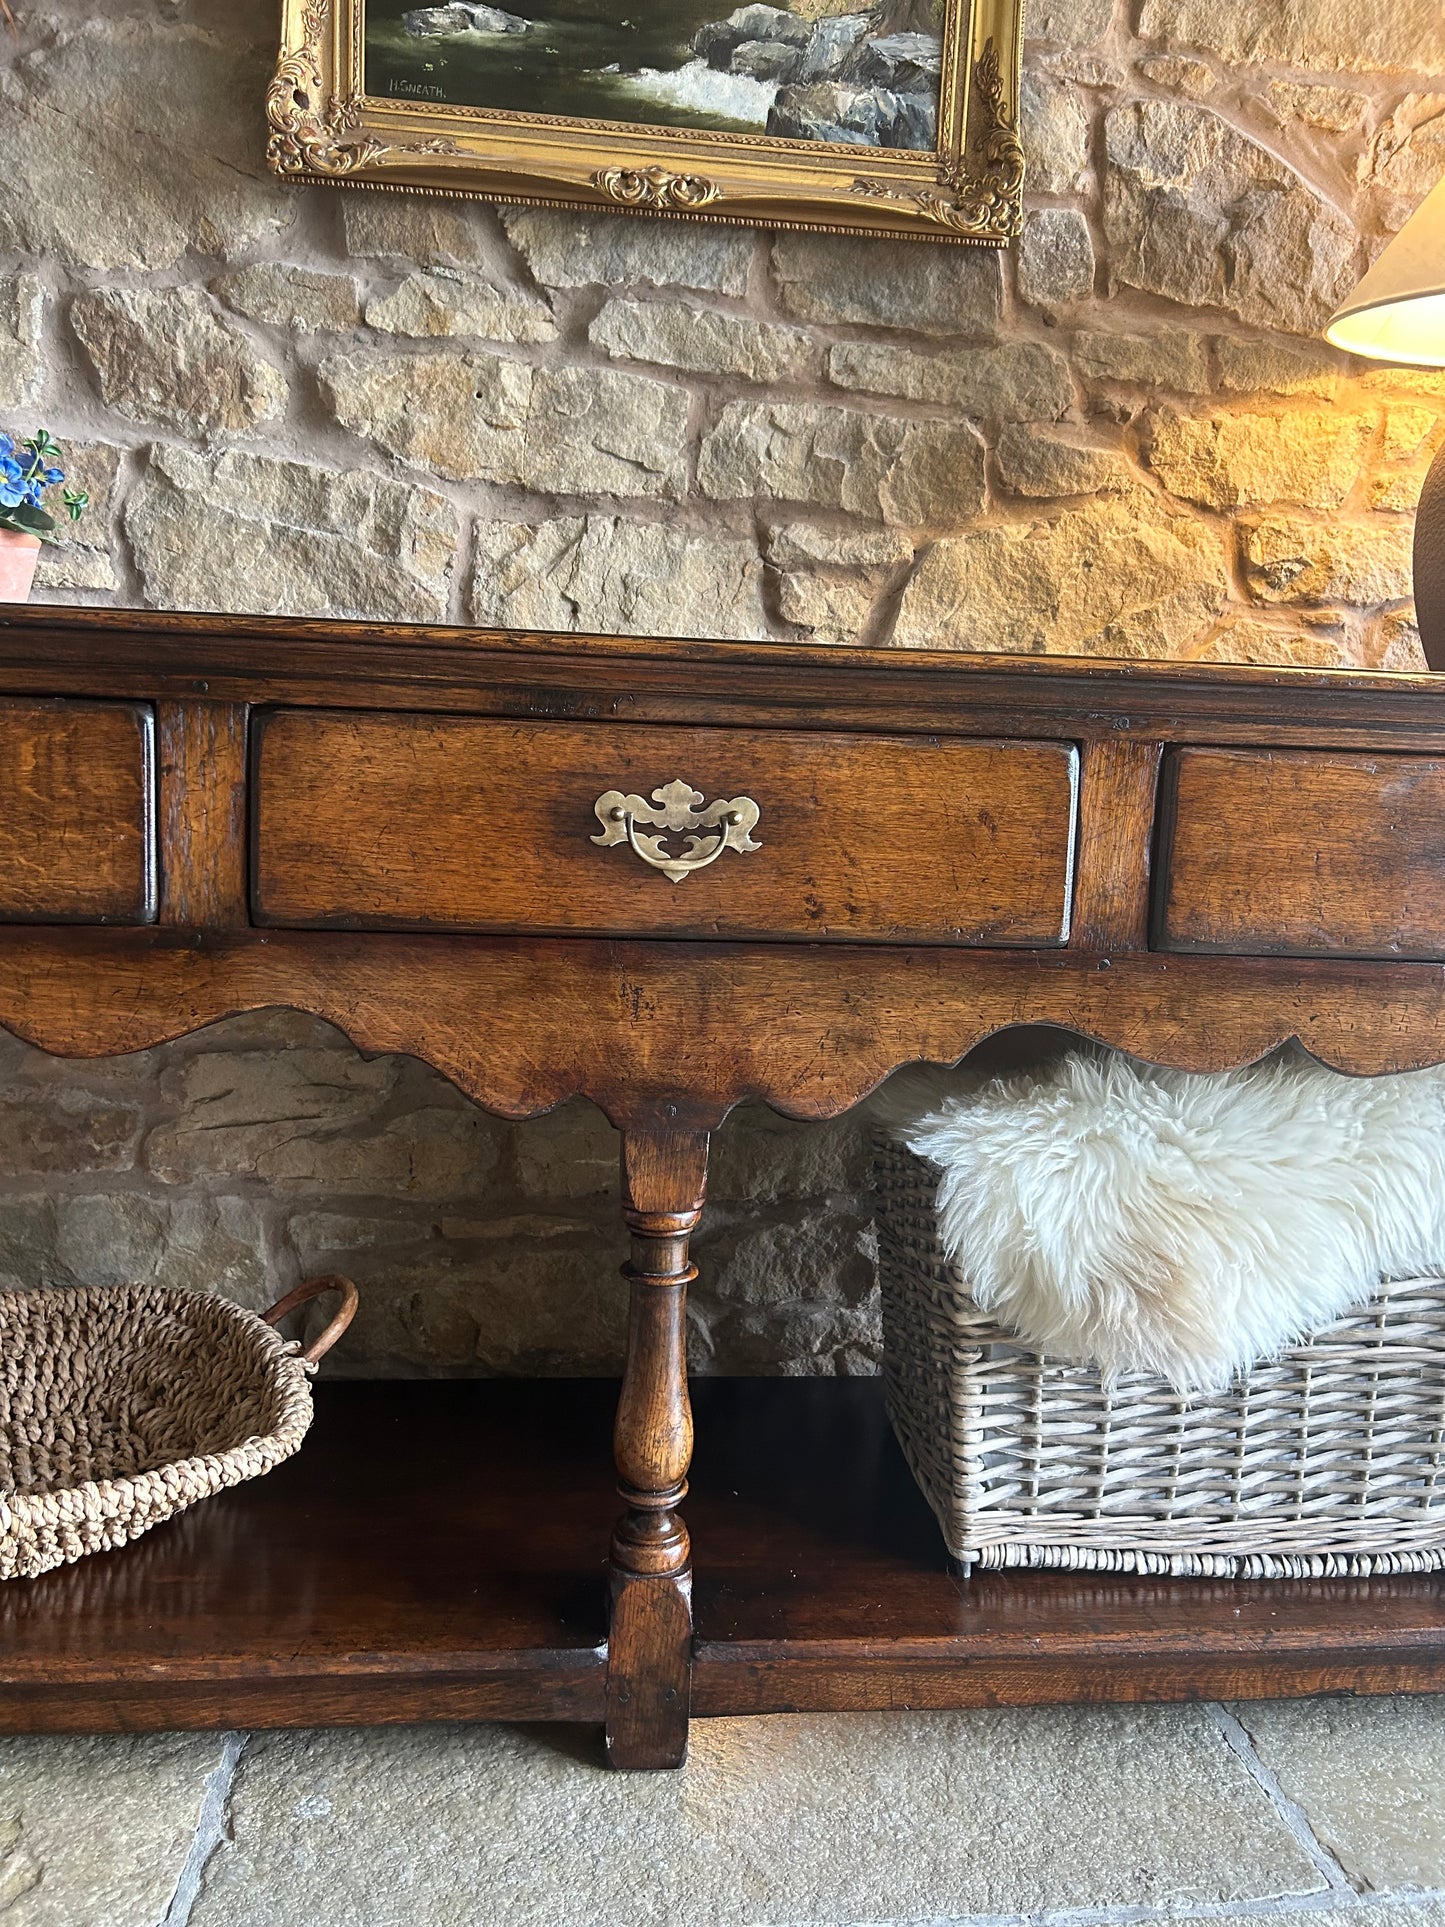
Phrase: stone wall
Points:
(1125, 439)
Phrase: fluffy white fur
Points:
(1184, 1224)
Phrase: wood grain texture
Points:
(375, 1575)
(418, 822)
(282, 659)
(819, 1578)
(77, 813)
(1303, 853)
(202, 766)
(1119, 781)
(823, 1584)
(664, 1183)
(679, 1033)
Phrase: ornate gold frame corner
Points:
(325, 127)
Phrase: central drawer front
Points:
(1303, 853)
(368, 821)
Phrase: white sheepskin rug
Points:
(1183, 1224)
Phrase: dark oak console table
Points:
(671, 876)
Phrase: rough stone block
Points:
(542, 1299)
(303, 300)
(1056, 259)
(704, 341)
(124, 147)
(829, 583)
(1017, 381)
(165, 355)
(1288, 559)
(1170, 358)
(1309, 457)
(22, 369)
(1250, 366)
(600, 431)
(1195, 211)
(1054, 462)
(483, 417)
(430, 232)
(1256, 642)
(617, 251)
(289, 538)
(1334, 110)
(462, 416)
(82, 557)
(322, 1118)
(1179, 74)
(611, 576)
(930, 289)
(1054, 128)
(449, 301)
(1074, 23)
(50, 1125)
(1115, 578)
(907, 473)
(573, 1152)
(1405, 37)
(1406, 157)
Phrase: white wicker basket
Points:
(1325, 1462)
(120, 1405)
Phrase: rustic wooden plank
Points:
(77, 813)
(679, 1033)
(375, 1575)
(824, 1584)
(416, 822)
(260, 659)
(1116, 841)
(202, 764)
(1303, 853)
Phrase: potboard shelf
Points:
(438, 1550)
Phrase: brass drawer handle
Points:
(729, 821)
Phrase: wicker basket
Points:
(1325, 1462)
(121, 1405)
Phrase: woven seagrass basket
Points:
(1325, 1462)
(122, 1405)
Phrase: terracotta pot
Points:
(18, 556)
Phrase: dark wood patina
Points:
(393, 828)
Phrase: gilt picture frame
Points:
(895, 118)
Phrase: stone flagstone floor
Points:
(1076, 1816)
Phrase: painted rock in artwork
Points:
(462, 18)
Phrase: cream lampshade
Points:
(1397, 313)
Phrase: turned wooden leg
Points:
(649, 1655)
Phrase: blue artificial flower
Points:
(33, 492)
(53, 475)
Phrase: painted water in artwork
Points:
(825, 70)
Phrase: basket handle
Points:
(302, 1295)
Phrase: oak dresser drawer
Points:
(77, 814)
(372, 821)
(1303, 853)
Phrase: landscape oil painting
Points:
(811, 70)
(867, 116)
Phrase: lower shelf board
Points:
(437, 1551)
